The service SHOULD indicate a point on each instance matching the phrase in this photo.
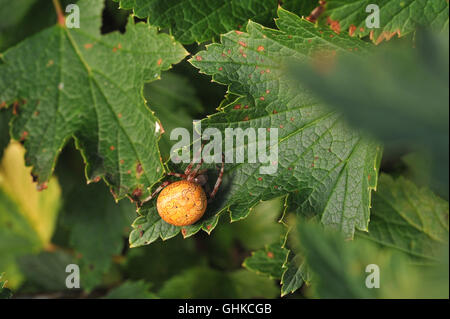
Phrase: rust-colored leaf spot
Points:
(238, 32)
(334, 25)
(208, 227)
(183, 232)
(290, 36)
(276, 187)
(369, 177)
(260, 48)
(292, 119)
(361, 29)
(242, 43)
(122, 161)
(262, 98)
(141, 233)
(262, 71)
(268, 129)
(309, 41)
(274, 112)
(267, 71)
(114, 49)
(3, 104)
(316, 158)
(281, 126)
(119, 46)
(246, 118)
(237, 106)
(351, 30)
(112, 148)
(97, 179)
(50, 63)
(119, 115)
(129, 172)
(245, 106)
(259, 178)
(88, 46)
(198, 58)
(24, 136)
(290, 168)
(312, 165)
(270, 254)
(220, 68)
(159, 61)
(267, 91)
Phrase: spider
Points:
(184, 202)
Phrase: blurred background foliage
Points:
(399, 95)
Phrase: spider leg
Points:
(191, 164)
(194, 172)
(177, 175)
(219, 180)
(160, 188)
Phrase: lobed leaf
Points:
(77, 83)
(327, 167)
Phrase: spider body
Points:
(181, 203)
(184, 202)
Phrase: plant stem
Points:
(59, 13)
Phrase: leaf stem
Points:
(59, 13)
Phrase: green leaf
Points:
(328, 168)
(78, 83)
(201, 20)
(339, 269)
(396, 16)
(132, 290)
(408, 218)
(268, 261)
(5, 293)
(149, 227)
(204, 282)
(47, 270)
(375, 93)
(294, 276)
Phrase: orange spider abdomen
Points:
(181, 203)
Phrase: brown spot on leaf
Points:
(237, 106)
(260, 48)
(24, 135)
(270, 254)
(198, 58)
(159, 61)
(351, 30)
(334, 25)
(112, 148)
(241, 43)
(88, 46)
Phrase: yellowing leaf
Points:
(40, 209)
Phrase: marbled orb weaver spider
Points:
(182, 203)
